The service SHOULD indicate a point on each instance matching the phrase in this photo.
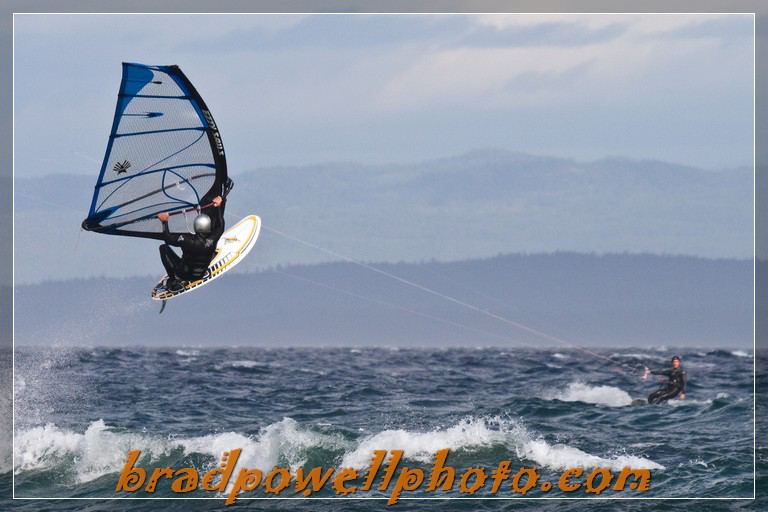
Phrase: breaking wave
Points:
(102, 450)
(475, 434)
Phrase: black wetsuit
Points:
(678, 379)
(197, 250)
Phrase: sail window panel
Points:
(146, 194)
(157, 150)
(149, 114)
(161, 84)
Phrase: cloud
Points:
(567, 58)
(636, 23)
(303, 87)
(526, 77)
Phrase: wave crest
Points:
(101, 450)
(599, 395)
(472, 434)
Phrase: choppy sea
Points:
(78, 412)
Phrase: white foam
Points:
(313, 371)
(634, 355)
(688, 401)
(740, 353)
(477, 433)
(246, 364)
(187, 353)
(92, 454)
(562, 456)
(599, 395)
(100, 451)
(281, 442)
(421, 446)
(558, 355)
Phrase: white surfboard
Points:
(233, 246)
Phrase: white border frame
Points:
(502, 498)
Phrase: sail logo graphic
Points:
(122, 167)
(216, 137)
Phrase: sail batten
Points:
(167, 130)
(164, 154)
(197, 164)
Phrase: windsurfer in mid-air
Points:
(674, 387)
(164, 164)
(197, 249)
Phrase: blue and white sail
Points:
(164, 155)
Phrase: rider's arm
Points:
(666, 373)
(217, 218)
(170, 238)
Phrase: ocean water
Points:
(78, 412)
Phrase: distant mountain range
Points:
(474, 205)
(609, 300)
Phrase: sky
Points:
(305, 89)
(290, 90)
